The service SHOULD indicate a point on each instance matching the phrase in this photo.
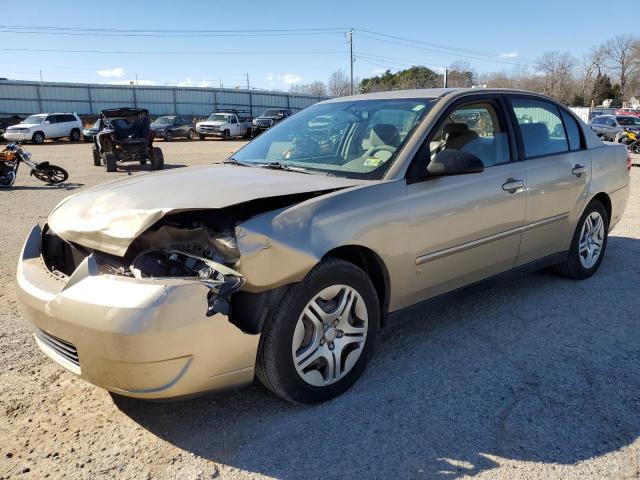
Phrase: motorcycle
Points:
(13, 155)
(631, 139)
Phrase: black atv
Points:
(126, 137)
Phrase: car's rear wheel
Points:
(168, 137)
(74, 136)
(157, 158)
(38, 138)
(110, 162)
(588, 245)
(321, 334)
(190, 134)
(97, 161)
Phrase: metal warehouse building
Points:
(24, 97)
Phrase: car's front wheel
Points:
(321, 334)
(589, 243)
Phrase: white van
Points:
(37, 128)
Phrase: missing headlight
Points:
(220, 279)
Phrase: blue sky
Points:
(492, 36)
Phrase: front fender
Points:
(282, 246)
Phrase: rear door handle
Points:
(579, 170)
(512, 185)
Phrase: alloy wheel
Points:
(591, 240)
(330, 335)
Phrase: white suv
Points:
(37, 128)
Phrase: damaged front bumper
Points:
(146, 338)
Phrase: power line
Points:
(165, 35)
(174, 52)
(433, 47)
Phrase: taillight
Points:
(628, 160)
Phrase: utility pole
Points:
(446, 75)
(349, 36)
(41, 77)
(221, 83)
(248, 87)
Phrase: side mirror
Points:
(454, 162)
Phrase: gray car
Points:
(609, 127)
(284, 262)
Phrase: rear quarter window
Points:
(573, 131)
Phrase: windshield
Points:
(165, 120)
(353, 139)
(218, 117)
(628, 120)
(34, 119)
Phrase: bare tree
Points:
(556, 68)
(316, 89)
(622, 58)
(339, 84)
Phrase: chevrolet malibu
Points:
(285, 261)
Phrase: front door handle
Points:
(579, 170)
(512, 185)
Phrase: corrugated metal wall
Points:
(22, 98)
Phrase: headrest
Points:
(384, 134)
(455, 128)
(535, 132)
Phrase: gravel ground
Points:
(536, 379)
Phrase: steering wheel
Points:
(387, 148)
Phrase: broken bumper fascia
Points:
(136, 337)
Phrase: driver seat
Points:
(383, 134)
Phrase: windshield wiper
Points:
(233, 161)
(282, 166)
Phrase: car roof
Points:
(433, 93)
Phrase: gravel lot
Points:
(536, 379)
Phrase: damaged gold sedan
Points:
(284, 262)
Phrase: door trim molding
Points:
(422, 259)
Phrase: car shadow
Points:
(136, 167)
(543, 369)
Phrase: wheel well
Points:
(75, 129)
(604, 199)
(373, 266)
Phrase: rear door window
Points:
(573, 131)
(541, 127)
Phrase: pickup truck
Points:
(224, 125)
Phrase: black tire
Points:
(190, 134)
(110, 162)
(38, 138)
(573, 267)
(51, 174)
(248, 133)
(75, 135)
(97, 161)
(157, 158)
(168, 137)
(274, 363)
(226, 135)
(201, 137)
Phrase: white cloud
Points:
(191, 83)
(132, 81)
(509, 55)
(289, 78)
(379, 71)
(111, 72)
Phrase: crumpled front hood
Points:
(108, 217)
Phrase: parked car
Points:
(600, 111)
(88, 134)
(633, 112)
(172, 126)
(225, 125)
(37, 128)
(608, 127)
(126, 137)
(285, 261)
(268, 119)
